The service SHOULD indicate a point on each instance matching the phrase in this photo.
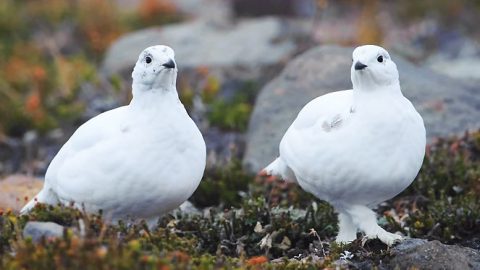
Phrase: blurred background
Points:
(65, 61)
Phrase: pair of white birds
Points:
(352, 148)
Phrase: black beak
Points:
(359, 66)
(169, 64)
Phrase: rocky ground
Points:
(244, 75)
(257, 222)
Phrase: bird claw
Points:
(343, 241)
(364, 240)
(385, 237)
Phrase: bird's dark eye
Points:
(380, 59)
(148, 59)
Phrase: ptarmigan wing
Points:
(150, 163)
(95, 131)
(316, 124)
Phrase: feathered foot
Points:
(366, 221)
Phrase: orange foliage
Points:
(179, 256)
(369, 31)
(39, 73)
(101, 252)
(99, 40)
(202, 71)
(454, 147)
(16, 70)
(210, 89)
(145, 259)
(99, 23)
(257, 260)
(33, 102)
(34, 107)
(150, 9)
(20, 65)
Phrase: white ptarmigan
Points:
(137, 161)
(356, 148)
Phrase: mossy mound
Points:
(269, 225)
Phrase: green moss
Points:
(230, 115)
(223, 238)
(234, 113)
(223, 186)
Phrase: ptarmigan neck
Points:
(372, 96)
(159, 98)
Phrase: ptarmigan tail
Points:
(44, 196)
(280, 169)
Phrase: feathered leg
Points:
(347, 231)
(364, 218)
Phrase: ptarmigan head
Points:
(372, 68)
(155, 68)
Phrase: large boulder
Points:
(423, 254)
(448, 106)
(249, 43)
(419, 254)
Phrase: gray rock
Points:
(462, 68)
(458, 58)
(212, 10)
(191, 8)
(448, 106)
(248, 43)
(423, 254)
(407, 245)
(36, 230)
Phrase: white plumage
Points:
(356, 148)
(136, 161)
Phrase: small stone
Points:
(17, 190)
(258, 227)
(36, 230)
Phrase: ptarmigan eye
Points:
(148, 59)
(380, 59)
